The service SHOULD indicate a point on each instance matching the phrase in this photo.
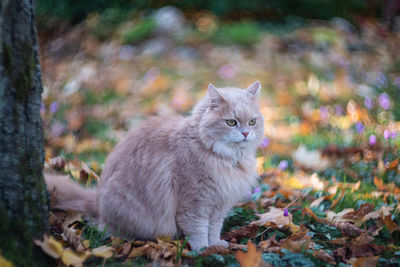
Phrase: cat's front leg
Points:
(196, 227)
(214, 231)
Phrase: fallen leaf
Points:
(324, 256)
(247, 231)
(136, 252)
(50, 246)
(251, 258)
(348, 229)
(383, 211)
(366, 261)
(309, 212)
(4, 262)
(357, 251)
(390, 224)
(317, 202)
(338, 241)
(379, 183)
(363, 210)
(275, 216)
(296, 243)
(70, 258)
(103, 252)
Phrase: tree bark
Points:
(23, 197)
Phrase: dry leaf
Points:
(70, 258)
(136, 252)
(247, 231)
(317, 202)
(4, 262)
(297, 242)
(357, 251)
(338, 241)
(275, 216)
(323, 255)
(251, 258)
(390, 224)
(366, 261)
(69, 233)
(363, 210)
(103, 252)
(383, 211)
(348, 229)
(50, 246)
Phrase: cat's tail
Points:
(67, 195)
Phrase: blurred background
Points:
(330, 72)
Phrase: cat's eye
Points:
(252, 122)
(231, 122)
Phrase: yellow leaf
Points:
(103, 252)
(69, 257)
(4, 262)
(50, 246)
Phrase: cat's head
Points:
(230, 120)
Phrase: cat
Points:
(176, 176)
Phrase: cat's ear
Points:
(254, 89)
(215, 98)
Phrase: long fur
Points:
(67, 195)
(177, 175)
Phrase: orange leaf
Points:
(390, 224)
(251, 258)
(394, 164)
(366, 261)
(379, 183)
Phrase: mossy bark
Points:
(23, 197)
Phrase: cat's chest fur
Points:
(215, 180)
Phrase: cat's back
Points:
(144, 148)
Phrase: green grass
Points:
(96, 237)
(242, 33)
(139, 31)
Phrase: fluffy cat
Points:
(176, 176)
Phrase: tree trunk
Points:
(23, 197)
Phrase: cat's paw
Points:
(197, 246)
(220, 243)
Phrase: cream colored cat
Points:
(176, 176)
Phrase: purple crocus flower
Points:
(264, 143)
(53, 107)
(285, 212)
(256, 190)
(393, 134)
(384, 101)
(387, 134)
(372, 140)
(359, 127)
(283, 165)
(368, 102)
(339, 110)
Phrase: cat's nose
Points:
(245, 134)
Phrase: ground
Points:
(329, 163)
